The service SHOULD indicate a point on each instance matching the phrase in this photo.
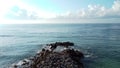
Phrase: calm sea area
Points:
(101, 42)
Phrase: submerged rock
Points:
(48, 58)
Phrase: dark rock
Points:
(64, 44)
(68, 58)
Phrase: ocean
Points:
(101, 42)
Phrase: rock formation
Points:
(49, 58)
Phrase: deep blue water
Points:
(18, 42)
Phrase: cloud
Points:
(92, 13)
(28, 14)
(21, 14)
(24, 14)
(5, 5)
(95, 12)
(23, 11)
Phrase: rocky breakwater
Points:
(49, 57)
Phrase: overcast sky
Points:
(59, 11)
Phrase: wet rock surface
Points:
(49, 58)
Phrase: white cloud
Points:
(93, 13)
(116, 6)
(96, 11)
(21, 14)
(5, 5)
(28, 12)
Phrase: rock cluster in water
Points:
(49, 58)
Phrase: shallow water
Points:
(101, 40)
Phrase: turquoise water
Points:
(18, 42)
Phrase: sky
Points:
(59, 11)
